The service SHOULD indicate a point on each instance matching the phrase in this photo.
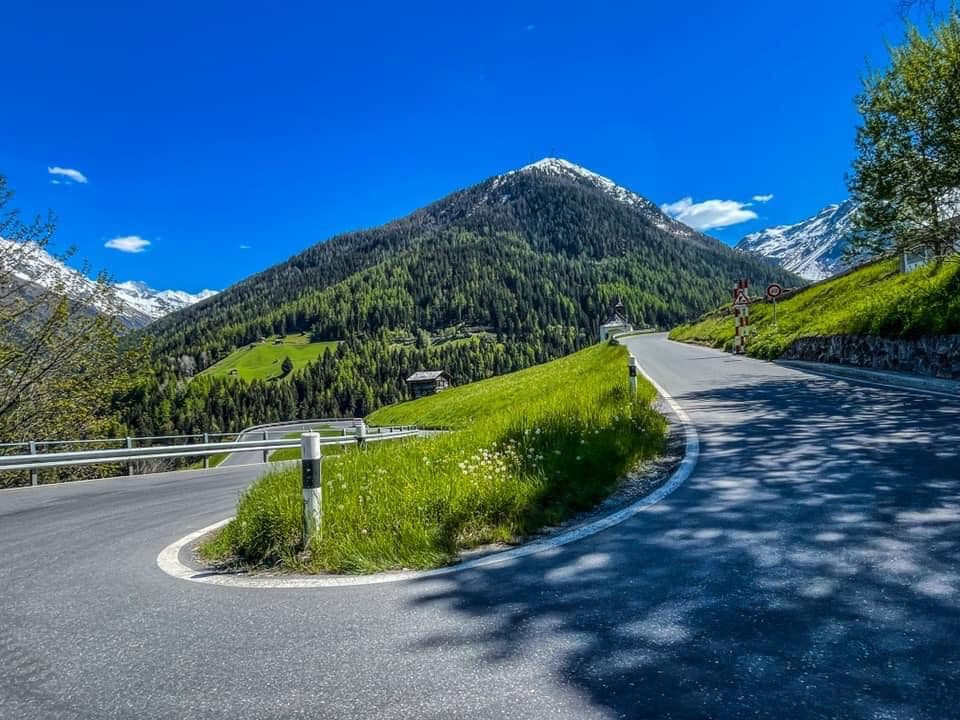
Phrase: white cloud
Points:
(709, 213)
(763, 198)
(127, 244)
(68, 173)
(244, 247)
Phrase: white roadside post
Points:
(266, 453)
(361, 433)
(633, 367)
(33, 473)
(130, 464)
(312, 484)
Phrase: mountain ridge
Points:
(560, 211)
(814, 248)
(135, 302)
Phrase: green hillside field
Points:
(263, 360)
(876, 299)
(526, 450)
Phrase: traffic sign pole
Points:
(774, 291)
(741, 316)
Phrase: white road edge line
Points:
(169, 558)
(864, 381)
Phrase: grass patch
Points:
(215, 460)
(263, 360)
(529, 450)
(874, 300)
(294, 452)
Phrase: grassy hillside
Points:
(874, 300)
(477, 402)
(262, 360)
(530, 449)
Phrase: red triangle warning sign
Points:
(741, 297)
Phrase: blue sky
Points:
(231, 138)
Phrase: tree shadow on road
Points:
(808, 568)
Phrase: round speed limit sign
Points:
(774, 291)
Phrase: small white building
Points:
(617, 323)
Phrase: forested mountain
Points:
(534, 257)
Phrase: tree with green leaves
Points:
(907, 171)
(61, 364)
(287, 367)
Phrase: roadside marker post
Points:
(741, 316)
(311, 472)
(129, 464)
(632, 368)
(33, 473)
(206, 458)
(266, 453)
(361, 433)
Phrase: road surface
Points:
(807, 569)
(277, 433)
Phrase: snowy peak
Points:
(813, 248)
(136, 302)
(559, 167)
(157, 303)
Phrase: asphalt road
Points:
(807, 569)
(276, 433)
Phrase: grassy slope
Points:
(875, 300)
(263, 361)
(294, 452)
(533, 448)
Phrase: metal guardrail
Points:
(194, 436)
(129, 454)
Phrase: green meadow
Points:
(263, 360)
(524, 451)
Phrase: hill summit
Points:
(516, 270)
(546, 246)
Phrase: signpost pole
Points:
(632, 368)
(741, 316)
(773, 292)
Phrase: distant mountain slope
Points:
(542, 247)
(157, 303)
(813, 248)
(138, 304)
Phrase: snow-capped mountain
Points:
(565, 168)
(813, 248)
(137, 303)
(157, 303)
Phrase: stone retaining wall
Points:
(937, 356)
